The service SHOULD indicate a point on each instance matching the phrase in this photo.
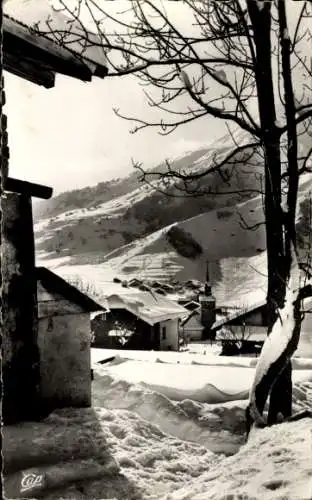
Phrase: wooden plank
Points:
(28, 188)
(20, 40)
(28, 70)
(20, 354)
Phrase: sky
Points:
(69, 137)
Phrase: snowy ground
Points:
(275, 464)
(161, 430)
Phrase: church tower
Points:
(207, 306)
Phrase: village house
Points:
(64, 340)
(160, 291)
(38, 59)
(191, 327)
(139, 321)
(244, 330)
(134, 282)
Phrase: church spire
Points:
(208, 291)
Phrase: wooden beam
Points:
(20, 42)
(28, 188)
(28, 71)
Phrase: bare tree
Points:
(238, 61)
(84, 286)
(122, 332)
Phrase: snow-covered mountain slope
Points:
(120, 228)
(102, 218)
(236, 254)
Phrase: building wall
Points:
(171, 342)
(305, 344)
(64, 345)
(192, 334)
(193, 329)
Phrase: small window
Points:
(50, 324)
(164, 333)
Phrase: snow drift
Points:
(220, 428)
(275, 464)
(137, 444)
(97, 454)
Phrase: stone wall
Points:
(64, 345)
(20, 354)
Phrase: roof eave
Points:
(227, 321)
(42, 57)
(28, 188)
(160, 318)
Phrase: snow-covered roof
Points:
(63, 39)
(192, 305)
(148, 306)
(237, 314)
(54, 284)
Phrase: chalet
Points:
(156, 284)
(134, 282)
(160, 291)
(64, 338)
(144, 288)
(191, 327)
(167, 288)
(152, 320)
(193, 284)
(38, 59)
(243, 330)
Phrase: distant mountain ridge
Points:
(89, 197)
(119, 228)
(106, 216)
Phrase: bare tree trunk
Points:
(277, 264)
(279, 404)
(1, 191)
